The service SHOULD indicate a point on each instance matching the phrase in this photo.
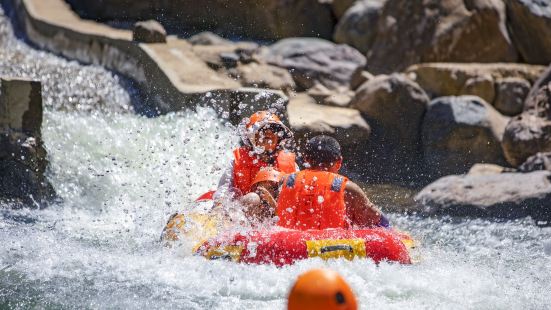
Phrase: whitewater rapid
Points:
(120, 176)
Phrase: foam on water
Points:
(121, 175)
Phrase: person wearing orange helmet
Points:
(319, 198)
(265, 143)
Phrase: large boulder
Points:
(503, 195)
(149, 31)
(529, 132)
(410, 32)
(208, 38)
(459, 132)
(530, 25)
(257, 19)
(308, 119)
(394, 107)
(312, 61)
(358, 25)
(22, 154)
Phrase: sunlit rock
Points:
(504, 195)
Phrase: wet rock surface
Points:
(22, 154)
(511, 93)
(459, 132)
(539, 161)
(504, 195)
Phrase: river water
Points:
(121, 175)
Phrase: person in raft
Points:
(319, 198)
(265, 144)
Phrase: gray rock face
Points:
(504, 195)
(459, 132)
(312, 61)
(394, 107)
(22, 155)
(341, 6)
(530, 25)
(149, 31)
(511, 93)
(358, 25)
(410, 32)
(265, 76)
(529, 132)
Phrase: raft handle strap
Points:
(338, 247)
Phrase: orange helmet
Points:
(269, 174)
(250, 126)
(321, 289)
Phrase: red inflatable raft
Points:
(284, 247)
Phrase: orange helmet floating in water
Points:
(250, 126)
(321, 289)
(269, 174)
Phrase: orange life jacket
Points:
(312, 199)
(246, 166)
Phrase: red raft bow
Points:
(284, 247)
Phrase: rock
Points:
(530, 27)
(256, 19)
(394, 107)
(410, 32)
(359, 78)
(341, 6)
(459, 132)
(224, 56)
(357, 27)
(505, 195)
(312, 61)
(525, 135)
(543, 80)
(22, 155)
(450, 79)
(485, 169)
(265, 76)
(481, 86)
(539, 161)
(149, 31)
(208, 38)
(511, 93)
(339, 97)
(21, 106)
(308, 119)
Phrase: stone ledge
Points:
(170, 76)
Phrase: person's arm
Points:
(360, 211)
